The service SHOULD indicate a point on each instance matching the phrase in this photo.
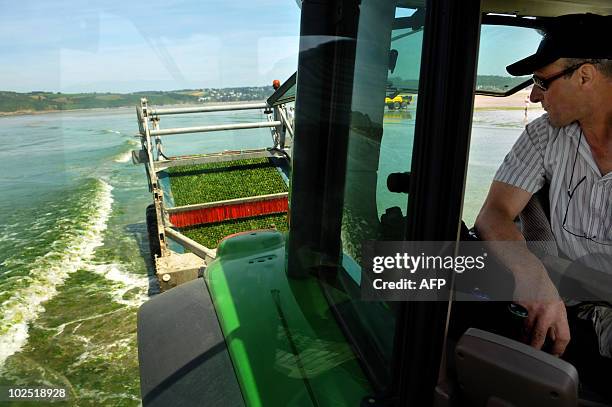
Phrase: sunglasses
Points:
(544, 83)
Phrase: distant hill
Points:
(491, 83)
(495, 83)
(49, 101)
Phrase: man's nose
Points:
(536, 94)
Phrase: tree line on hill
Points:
(492, 83)
(39, 101)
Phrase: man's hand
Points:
(547, 320)
(547, 316)
(533, 289)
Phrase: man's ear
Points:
(587, 74)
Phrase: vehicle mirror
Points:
(398, 182)
(393, 54)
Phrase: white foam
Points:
(126, 282)
(60, 328)
(123, 157)
(106, 352)
(48, 273)
(9, 236)
(100, 397)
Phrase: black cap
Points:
(569, 36)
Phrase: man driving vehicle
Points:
(569, 149)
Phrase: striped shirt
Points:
(547, 154)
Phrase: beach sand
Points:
(516, 101)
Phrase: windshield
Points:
(75, 258)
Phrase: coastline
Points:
(102, 109)
(513, 102)
(37, 112)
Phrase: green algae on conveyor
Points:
(213, 182)
(209, 235)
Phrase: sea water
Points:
(74, 258)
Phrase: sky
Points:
(502, 45)
(132, 45)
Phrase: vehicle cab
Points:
(280, 319)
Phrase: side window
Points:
(497, 121)
(500, 46)
(497, 124)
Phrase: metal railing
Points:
(155, 160)
(205, 109)
(221, 127)
(152, 154)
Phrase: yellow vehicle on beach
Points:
(398, 102)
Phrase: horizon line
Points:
(134, 92)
